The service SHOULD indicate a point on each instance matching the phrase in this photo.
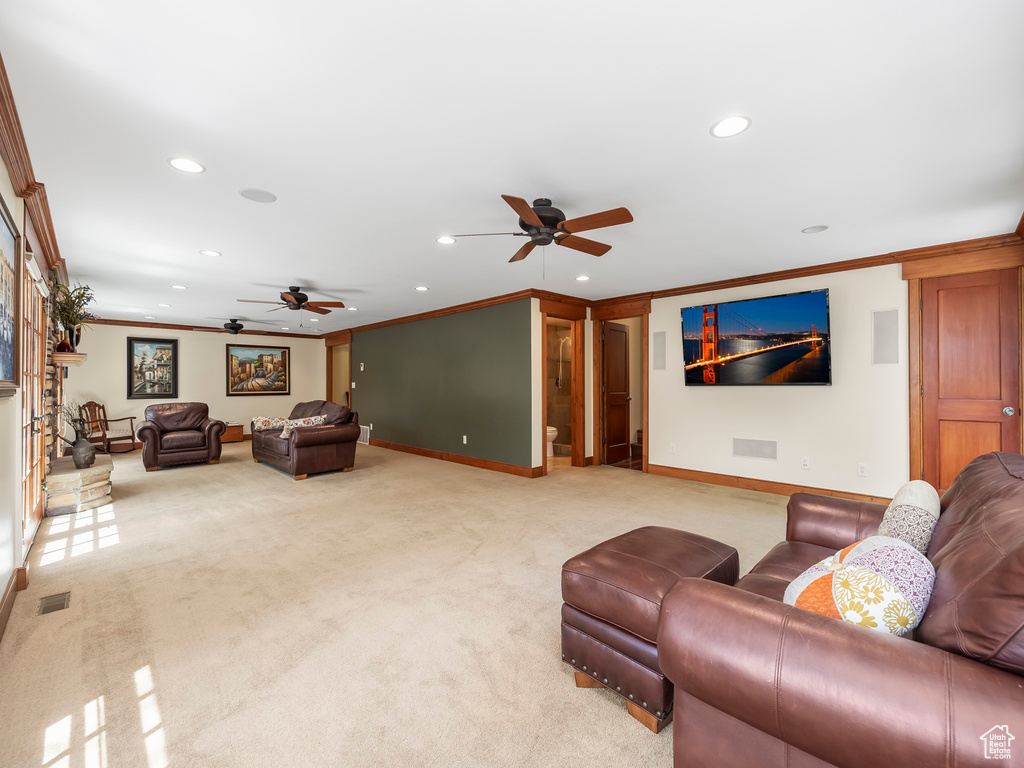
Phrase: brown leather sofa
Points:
(179, 433)
(309, 450)
(762, 683)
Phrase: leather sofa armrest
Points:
(213, 429)
(829, 521)
(302, 437)
(850, 696)
(353, 418)
(147, 430)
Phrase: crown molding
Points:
(14, 153)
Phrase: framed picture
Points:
(152, 369)
(10, 306)
(258, 370)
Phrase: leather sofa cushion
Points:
(176, 441)
(778, 568)
(175, 417)
(977, 606)
(334, 413)
(623, 580)
(273, 442)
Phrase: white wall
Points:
(103, 377)
(10, 437)
(862, 417)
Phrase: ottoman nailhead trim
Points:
(574, 661)
(618, 689)
(584, 667)
(657, 714)
(645, 705)
(606, 681)
(631, 696)
(563, 655)
(594, 674)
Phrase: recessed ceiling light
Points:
(351, 309)
(210, 253)
(186, 165)
(730, 126)
(446, 240)
(163, 305)
(258, 195)
(314, 319)
(285, 329)
(150, 317)
(815, 229)
(422, 288)
(180, 287)
(581, 278)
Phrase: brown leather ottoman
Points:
(613, 596)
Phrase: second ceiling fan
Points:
(544, 224)
(295, 299)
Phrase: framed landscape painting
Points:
(152, 369)
(10, 315)
(258, 370)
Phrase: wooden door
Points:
(33, 442)
(970, 370)
(616, 392)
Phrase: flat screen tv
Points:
(773, 340)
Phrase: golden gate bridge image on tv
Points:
(776, 340)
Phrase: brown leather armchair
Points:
(309, 450)
(762, 683)
(179, 433)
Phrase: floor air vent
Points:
(54, 603)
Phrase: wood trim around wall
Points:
(960, 262)
(914, 328)
(199, 328)
(7, 602)
(497, 466)
(337, 338)
(14, 153)
(752, 484)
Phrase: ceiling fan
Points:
(232, 326)
(295, 299)
(545, 224)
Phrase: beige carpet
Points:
(403, 614)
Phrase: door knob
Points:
(1008, 410)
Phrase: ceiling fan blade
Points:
(523, 252)
(254, 301)
(288, 298)
(592, 247)
(524, 210)
(338, 304)
(276, 308)
(317, 310)
(597, 220)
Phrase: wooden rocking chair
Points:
(97, 425)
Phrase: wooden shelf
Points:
(68, 358)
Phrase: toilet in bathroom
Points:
(552, 434)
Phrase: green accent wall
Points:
(429, 382)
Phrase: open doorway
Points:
(558, 352)
(621, 412)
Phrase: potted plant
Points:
(67, 307)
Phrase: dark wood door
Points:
(616, 392)
(970, 370)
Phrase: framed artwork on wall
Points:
(253, 370)
(152, 369)
(10, 306)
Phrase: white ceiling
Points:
(382, 125)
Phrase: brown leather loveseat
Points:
(179, 433)
(309, 450)
(761, 683)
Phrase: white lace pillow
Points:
(309, 421)
(912, 515)
(264, 423)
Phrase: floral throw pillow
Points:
(309, 421)
(264, 423)
(881, 583)
(912, 515)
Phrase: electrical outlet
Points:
(862, 470)
(671, 447)
(463, 439)
(353, 385)
(805, 462)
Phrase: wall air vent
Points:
(54, 603)
(364, 435)
(755, 449)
